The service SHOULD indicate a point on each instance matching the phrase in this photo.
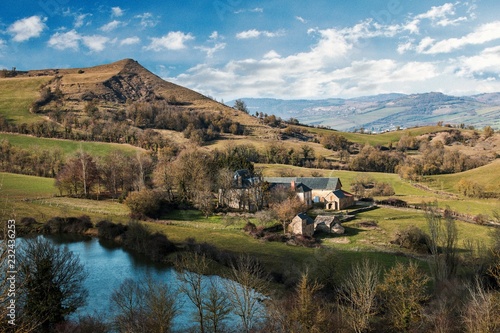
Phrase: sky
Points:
(307, 49)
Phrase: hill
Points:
(385, 112)
(112, 86)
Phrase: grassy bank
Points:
(68, 147)
(16, 96)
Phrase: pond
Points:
(109, 265)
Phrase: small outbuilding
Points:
(302, 224)
(329, 224)
(338, 199)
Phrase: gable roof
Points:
(304, 216)
(314, 183)
(302, 188)
(327, 219)
(339, 194)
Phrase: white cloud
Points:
(446, 21)
(488, 61)
(253, 10)
(116, 12)
(300, 74)
(214, 35)
(27, 28)
(253, 33)
(174, 40)
(147, 20)
(300, 19)
(66, 40)
(483, 34)
(437, 12)
(111, 26)
(424, 44)
(210, 51)
(441, 16)
(95, 43)
(271, 54)
(80, 20)
(403, 47)
(130, 41)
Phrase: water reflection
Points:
(109, 265)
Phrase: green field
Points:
(30, 196)
(390, 221)
(16, 96)
(488, 176)
(68, 147)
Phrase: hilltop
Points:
(117, 82)
(112, 87)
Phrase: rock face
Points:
(117, 82)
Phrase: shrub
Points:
(412, 238)
(28, 221)
(249, 227)
(110, 230)
(144, 203)
(382, 189)
(393, 202)
(71, 225)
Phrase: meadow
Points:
(28, 196)
(16, 96)
(68, 147)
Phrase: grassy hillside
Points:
(30, 196)
(16, 96)
(67, 146)
(488, 176)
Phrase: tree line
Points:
(135, 124)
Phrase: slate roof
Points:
(299, 187)
(327, 219)
(304, 216)
(302, 188)
(314, 183)
(339, 194)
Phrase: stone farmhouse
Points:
(323, 189)
(247, 192)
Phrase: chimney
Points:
(292, 185)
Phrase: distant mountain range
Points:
(384, 112)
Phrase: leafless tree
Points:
(245, 286)
(189, 272)
(482, 311)
(357, 295)
(149, 306)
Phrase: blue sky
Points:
(275, 48)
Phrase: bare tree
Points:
(144, 307)
(442, 244)
(248, 281)
(482, 311)
(287, 209)
(127, 304)
(189, 273)
(225, 182)
(357, 295)
(217, 306)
